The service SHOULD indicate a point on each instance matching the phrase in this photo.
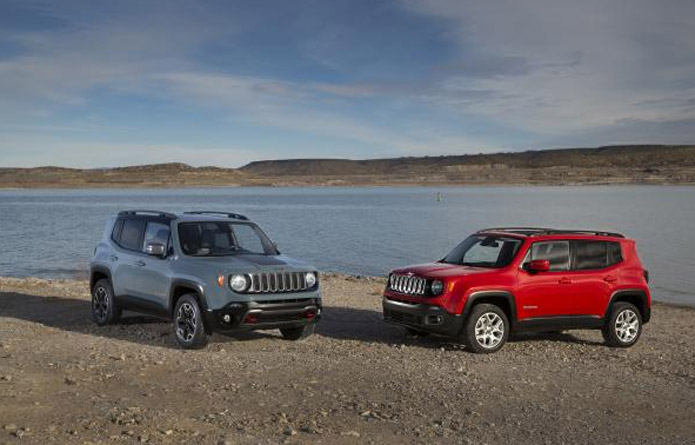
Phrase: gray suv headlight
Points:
(238, 283)
(310, 278)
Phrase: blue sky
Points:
(96, 83)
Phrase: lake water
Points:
(368, 231)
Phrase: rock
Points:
(70, 381)
(10, 427)
(289, 431)
(350, 433)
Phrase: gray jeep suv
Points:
(208, 271)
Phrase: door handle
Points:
(140, 263)
(113, 258)
(609, 279)
(564, 281)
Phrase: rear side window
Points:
(556, 252)
(156, 233)
(591, 255)
(131, 234)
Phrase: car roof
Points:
(549, 233)
(204, 215)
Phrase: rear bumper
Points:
(256, 315)
(422, 317)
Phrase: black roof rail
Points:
(535, 231)
(583, 232)
(227, 214)
(515, 229)
(147, 212)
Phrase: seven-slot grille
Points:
(408, 284)
(275, 282)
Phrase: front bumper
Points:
(268, 314)
(422, 317)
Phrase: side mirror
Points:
(539, 266)
(155, 249)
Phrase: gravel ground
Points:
(358, 380)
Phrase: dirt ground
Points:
(358, 380)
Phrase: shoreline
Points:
(366, 279)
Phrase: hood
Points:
(257, 263)
(442, 270)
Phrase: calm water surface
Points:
(52, 233)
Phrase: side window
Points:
(156, 232)
(590, 255)
(131, 234)
(247, 238)
(615, 253)
(117, 227)
(557, 252)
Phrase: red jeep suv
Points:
(517, 279)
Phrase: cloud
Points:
(553, 67)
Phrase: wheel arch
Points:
(98, 273)
(636, 297)
(180, 288)
(501, 298)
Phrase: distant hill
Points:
(629, 164)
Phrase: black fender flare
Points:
(197, 287)
(645, 310)
(475, 297)
(98, 269)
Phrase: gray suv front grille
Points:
(408, 284)
(276, 282)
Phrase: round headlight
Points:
(238, 283)
(437, 287)
(310, 278)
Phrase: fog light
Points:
(435, 319)
(227, 318)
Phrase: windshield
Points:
(484, 251)
(216, 238)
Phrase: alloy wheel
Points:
(489, 330)
(627, 326)
(186, 322)
(100, 303)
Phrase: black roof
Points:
(537, 231)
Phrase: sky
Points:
(108, 83)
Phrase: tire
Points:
(415, 333)
(299, 333)
(493, 329)
(189, 329)
(104, 308)
(624, 325)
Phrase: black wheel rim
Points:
(100, 303)
(186, 322)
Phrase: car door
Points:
(545, 294)
(593, 276)
(152, 273)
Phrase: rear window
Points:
(131, 234)
(590, 255)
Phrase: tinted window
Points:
(596, 254)
(590, 255)
(557, 252)
(156, 232)
(484, 251)
(131, 234)
(615, 254)
(117, 230)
